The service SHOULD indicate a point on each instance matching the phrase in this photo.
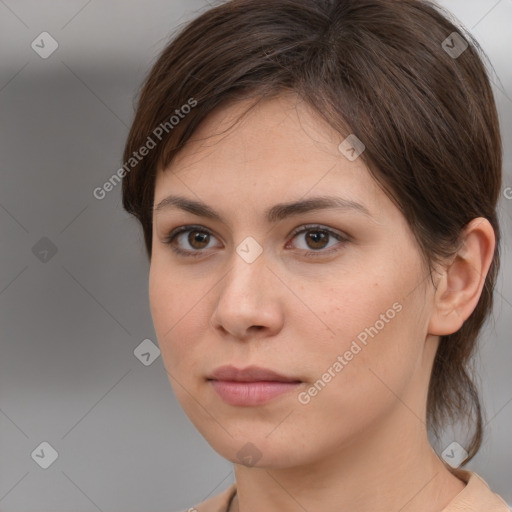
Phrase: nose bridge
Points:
(245, 298)
(247, 275)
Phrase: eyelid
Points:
(320, 227)
(169, 239)
(342, 238)
(183, 229)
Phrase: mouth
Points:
(249, 374)
(250, 386)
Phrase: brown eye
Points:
(193, 241)
(317, 239)
(189, 240)
(198, 239)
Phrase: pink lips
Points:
(250, 386)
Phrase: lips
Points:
(251, 386)
(249, 374)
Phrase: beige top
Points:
(475, 497)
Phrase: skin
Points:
(295, 314)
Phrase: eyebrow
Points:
(273, 214)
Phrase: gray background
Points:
(70, 324)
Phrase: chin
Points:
(257, 450)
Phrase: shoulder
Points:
(217, 503)
(476, 496)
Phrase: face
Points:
(335, 298)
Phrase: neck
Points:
(389, 470)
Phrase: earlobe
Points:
(463, 278)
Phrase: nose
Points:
(249, 300)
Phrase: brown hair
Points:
(378, 69)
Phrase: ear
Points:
(462, 279)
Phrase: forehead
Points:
(279, 150)
(280, 123)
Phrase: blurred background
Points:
(88, 420)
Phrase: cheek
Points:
(377, 346)
(174, 309)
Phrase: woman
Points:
(317, 185)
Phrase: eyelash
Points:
(303, 229)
